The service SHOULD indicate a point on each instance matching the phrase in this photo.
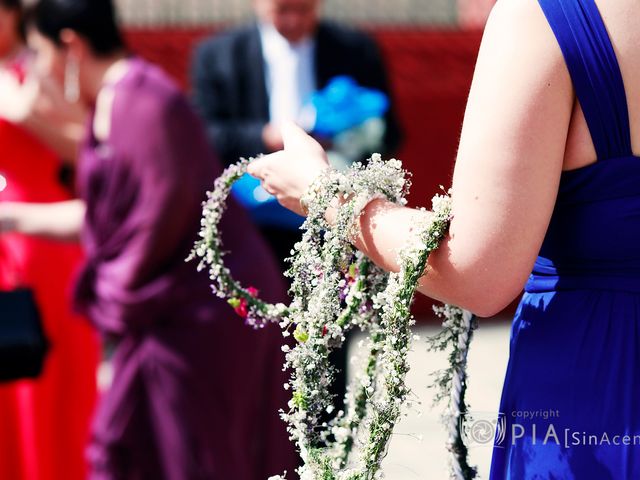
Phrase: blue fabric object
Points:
(263, 207)
(343, 104)
(575, 339)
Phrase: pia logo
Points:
(483, 428)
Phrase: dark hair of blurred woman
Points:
(95, 20)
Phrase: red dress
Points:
(44, 423)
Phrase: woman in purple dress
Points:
(195, 393)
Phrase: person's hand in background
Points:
(17, 99)
(38, 104)
(288, 173)
(272, 137)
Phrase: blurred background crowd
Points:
(115, 118)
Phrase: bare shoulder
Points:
(520, 74)
(520, 25)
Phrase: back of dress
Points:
(195, 392)
(575, 346)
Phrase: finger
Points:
(268, 188)
(259, 168)
(256, 168)
(295, 138)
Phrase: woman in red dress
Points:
(43, 423)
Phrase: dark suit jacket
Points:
(229, 85)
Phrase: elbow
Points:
(482, 302)
(489, 302)
(486, 296)
(484, 283)
(483, 307)
(487, 308)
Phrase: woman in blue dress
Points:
(546, 196)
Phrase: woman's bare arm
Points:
(39, 106)
(507, 169)
(506, 176)
(60, 221)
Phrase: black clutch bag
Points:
(23, 344)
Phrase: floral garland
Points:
(209, 250)
(335, 289)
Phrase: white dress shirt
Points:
(289, 73)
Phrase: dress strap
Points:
(595, 72)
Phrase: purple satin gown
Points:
(195, 393)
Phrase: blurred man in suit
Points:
(248, 80)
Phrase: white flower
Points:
(378, 302)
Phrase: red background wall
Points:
(430, 73)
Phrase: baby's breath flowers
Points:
(334, 290)
(209, 251)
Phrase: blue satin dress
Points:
(570, 407)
